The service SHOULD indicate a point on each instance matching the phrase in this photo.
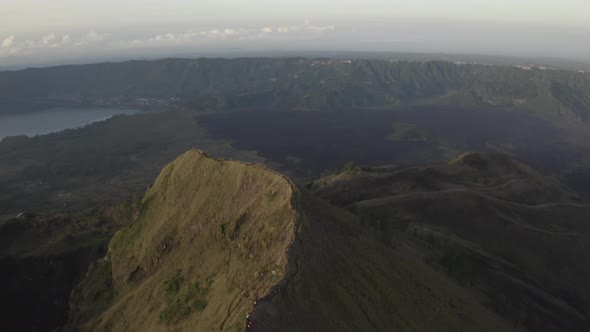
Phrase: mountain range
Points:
(300, 84)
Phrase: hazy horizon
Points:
(62, 31)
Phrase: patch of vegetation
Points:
(271, 195)
(166, 244)
(172, 286)
(93, 295)
(350, 167)
(125, 212)
(223, 230)
(123, 238)
(404, 132)
(183, 300)
(273, 269)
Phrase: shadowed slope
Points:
(42, 257)
(489, 222)
(348, 280)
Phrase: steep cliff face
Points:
(212, 237)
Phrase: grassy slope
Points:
(212, 236)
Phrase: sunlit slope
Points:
(212, 236)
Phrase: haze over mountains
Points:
(35, 33)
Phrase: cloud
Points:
(185, 37)
(48, 39)
(225, 33)
(66, 43)
(307, 27)
(92, 37)
(51, 41)
(8, 41)
(220, 35)
(315, 28)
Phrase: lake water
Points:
(55, 119)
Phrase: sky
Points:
(44, 31)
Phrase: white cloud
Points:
(307, 27)
(48, 39)
(51, 40)
(219, 35)
(315, 28)
(193, 36)
(230, 32)
(57, 43)
(224, 33)
(92, 37)
(167, 36)
(8, 41)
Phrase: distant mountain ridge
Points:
(301, 84)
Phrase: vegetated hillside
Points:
(492, 224)
(214, 236)
(299, 83)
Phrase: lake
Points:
(55, 119)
